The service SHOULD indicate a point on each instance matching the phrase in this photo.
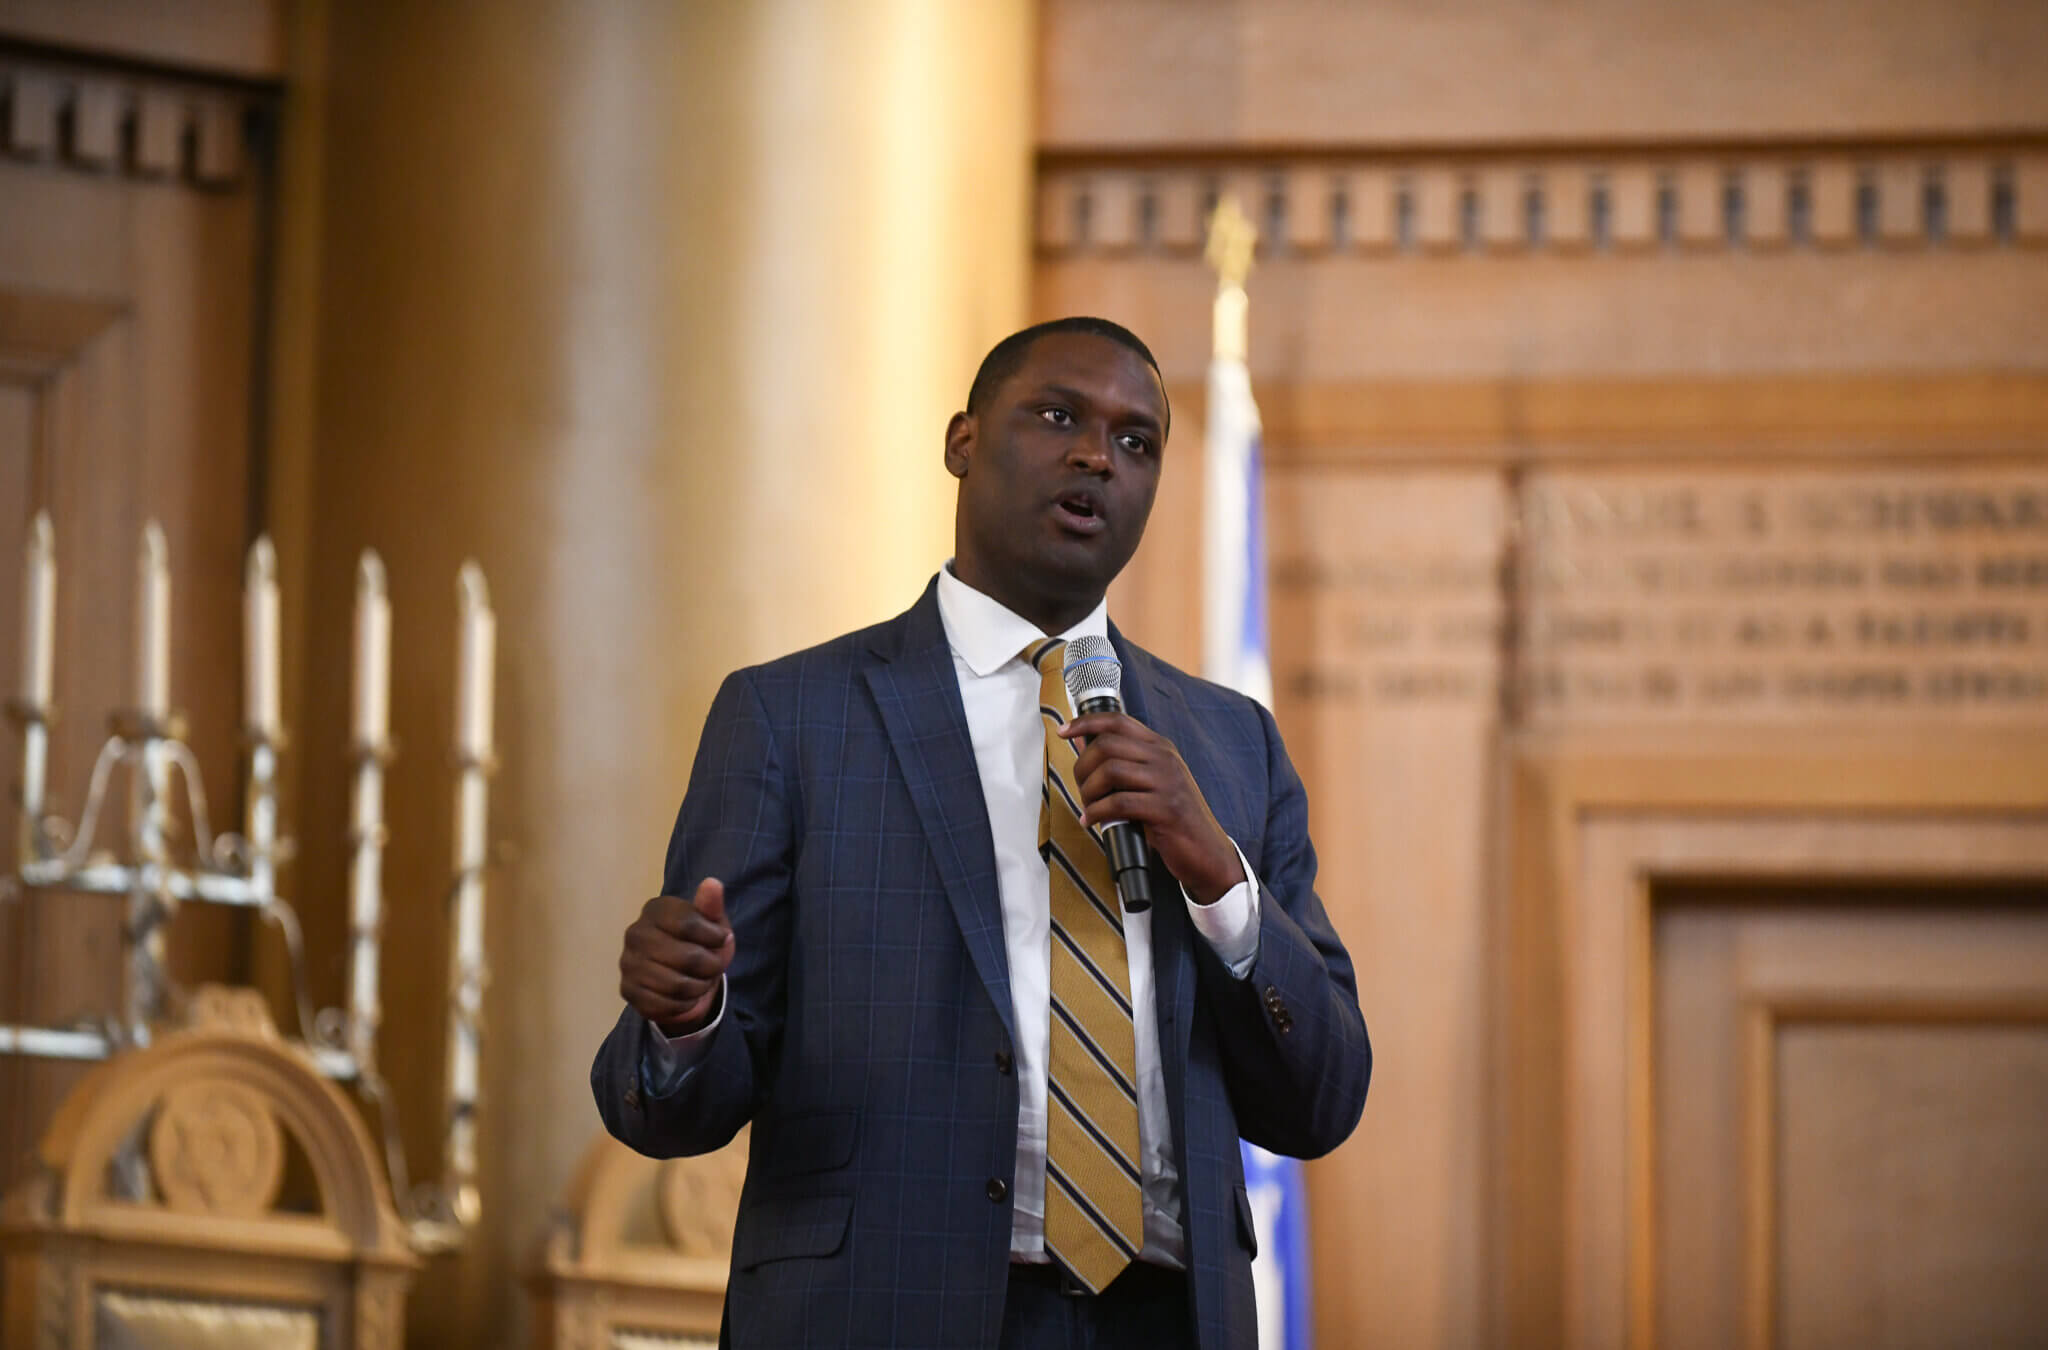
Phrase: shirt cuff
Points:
(667, 1061)
(1231, 925)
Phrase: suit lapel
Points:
(919, 697)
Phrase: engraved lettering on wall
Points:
(1792, 595)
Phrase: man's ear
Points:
(959, 443)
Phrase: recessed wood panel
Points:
(1386, 636)
(1912, 1184)
(1789, 1117)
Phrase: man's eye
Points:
(1137, 445)
(1059, 417)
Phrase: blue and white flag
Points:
(1234, 542)
(1234, 653)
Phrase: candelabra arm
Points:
(150, 901)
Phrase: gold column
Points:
(658, 311)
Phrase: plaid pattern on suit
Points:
(868, 1030)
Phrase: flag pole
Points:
(1234, 654)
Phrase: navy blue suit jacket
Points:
(868, 1028)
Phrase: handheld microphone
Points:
(1095, 682)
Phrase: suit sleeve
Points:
(736, 824)
(1296, 1057)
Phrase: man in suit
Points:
(990, 1107)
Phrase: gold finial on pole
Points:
(1232, 237)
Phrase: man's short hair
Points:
(1007, 357)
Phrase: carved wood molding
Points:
(639, 1249)
(1824, 416)
(108, 122)
(41, 333)
(1619, 200)
(214, 1104)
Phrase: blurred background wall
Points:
(1656, 401)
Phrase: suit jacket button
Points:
(632, 1099)
(997, 1189)
(1003, 1062)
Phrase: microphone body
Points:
(1095, 683)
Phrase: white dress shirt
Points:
(1000, 693)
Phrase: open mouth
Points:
(1081, 512)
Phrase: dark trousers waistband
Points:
(1140, 1279)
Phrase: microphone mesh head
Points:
(1092, 670)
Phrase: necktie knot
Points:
(1045, 654)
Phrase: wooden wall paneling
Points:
(1966, 191)
(1330, 73)
(1567, 197)
(241, 38)
(1058, 207)
(1759, 1225)
(1308, 190)
(128, 315)
(1701, 220)
(1942, 1097)
(1370, 194)
(69, 364)
(1901, 184)
(1632, 193)
(1180, 199)
(217, 152)
(1503, 223)
(1797, 594)
(1980, 804)
(1435, 195)
(1113, 211)
(1527, 322)
(1831, 202)
(1386, 625)
(1766, 187)
(96, 117)
(160, 132)
(1787, 419)
(2029, 179)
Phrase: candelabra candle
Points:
(475, 650)
(38, 664)
(146, 744)
(153, 626)
(366, 805)
(260, 639)
(372, 652)
(39, 613)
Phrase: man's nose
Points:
(1090, 452)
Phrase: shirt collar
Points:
(986, 634)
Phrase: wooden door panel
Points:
(1849, 1087)
(1912, 1183)
(1701, 941)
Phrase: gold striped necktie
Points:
(1094, 1208)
